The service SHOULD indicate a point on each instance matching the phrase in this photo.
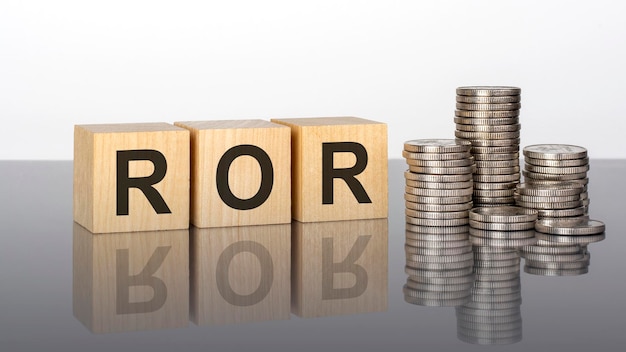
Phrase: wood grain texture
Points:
(210, 140)
(240, 274)
(308, 136)
(95, 172)
(98, 270)
(339, 267)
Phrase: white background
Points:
(75, 62)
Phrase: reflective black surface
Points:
(38, 284)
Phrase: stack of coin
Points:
(489, 118)
(556, 180)
(503, 226)
(493, 315)
(562, 249)
(438, 199)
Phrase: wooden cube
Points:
(131, 281)
(131, 177)
(240, 173)
(339, 267)
(339, 168)
(240, 274)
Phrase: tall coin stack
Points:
(562, 247)
(489, 118)
(555, 177)
(493, 316)
(438, 198)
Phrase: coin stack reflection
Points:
(438, 199)
(493, 316)
(562, 249)
(555, 180)
(489, 118)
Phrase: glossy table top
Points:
(52, 278)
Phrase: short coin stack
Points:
(438, 199)
(493, 315)
(556, 180)
(504, 226)
(489, 118)
(562, 247)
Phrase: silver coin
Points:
(491, 298)
(442, 170)
(439, 266)
(579, 264)
(443, 237)
(487, 121)
(437, 251)
(504, 214)
(483, 263)
(463, 279)
(439, 185)
(494, 186)
(557, 170)
(435, 156)
(486, 135)
(546, 199)
(497, 163)
(539, 249)
(488, 128)
(558, 189)
(493, 193)
(506, 243)
(419, 273)
(556, 163)
(490, 250)
(534, 182)
(481, 201)
(580, 239)
(497, 284)
(438, 207)
(488, 107)
(497, 226)
(488, 91)
(436, 178)
(488, 99)
(436, 146)
(497, 170)
(496, 257)
(409, 291)
(494, 150)
(497, 178)
(550, 205)
(555, 272)
(436, 302)
(493, 142)
(502, 234)
(555, 151)
(430, 245)
(437, 214)
(429, 192)
(487, 114)
(497, 157)
(570, 226)
(553, 257)
(416, 285)
(537, 176)
(422, 258)
(441, 163)
(437, 200)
